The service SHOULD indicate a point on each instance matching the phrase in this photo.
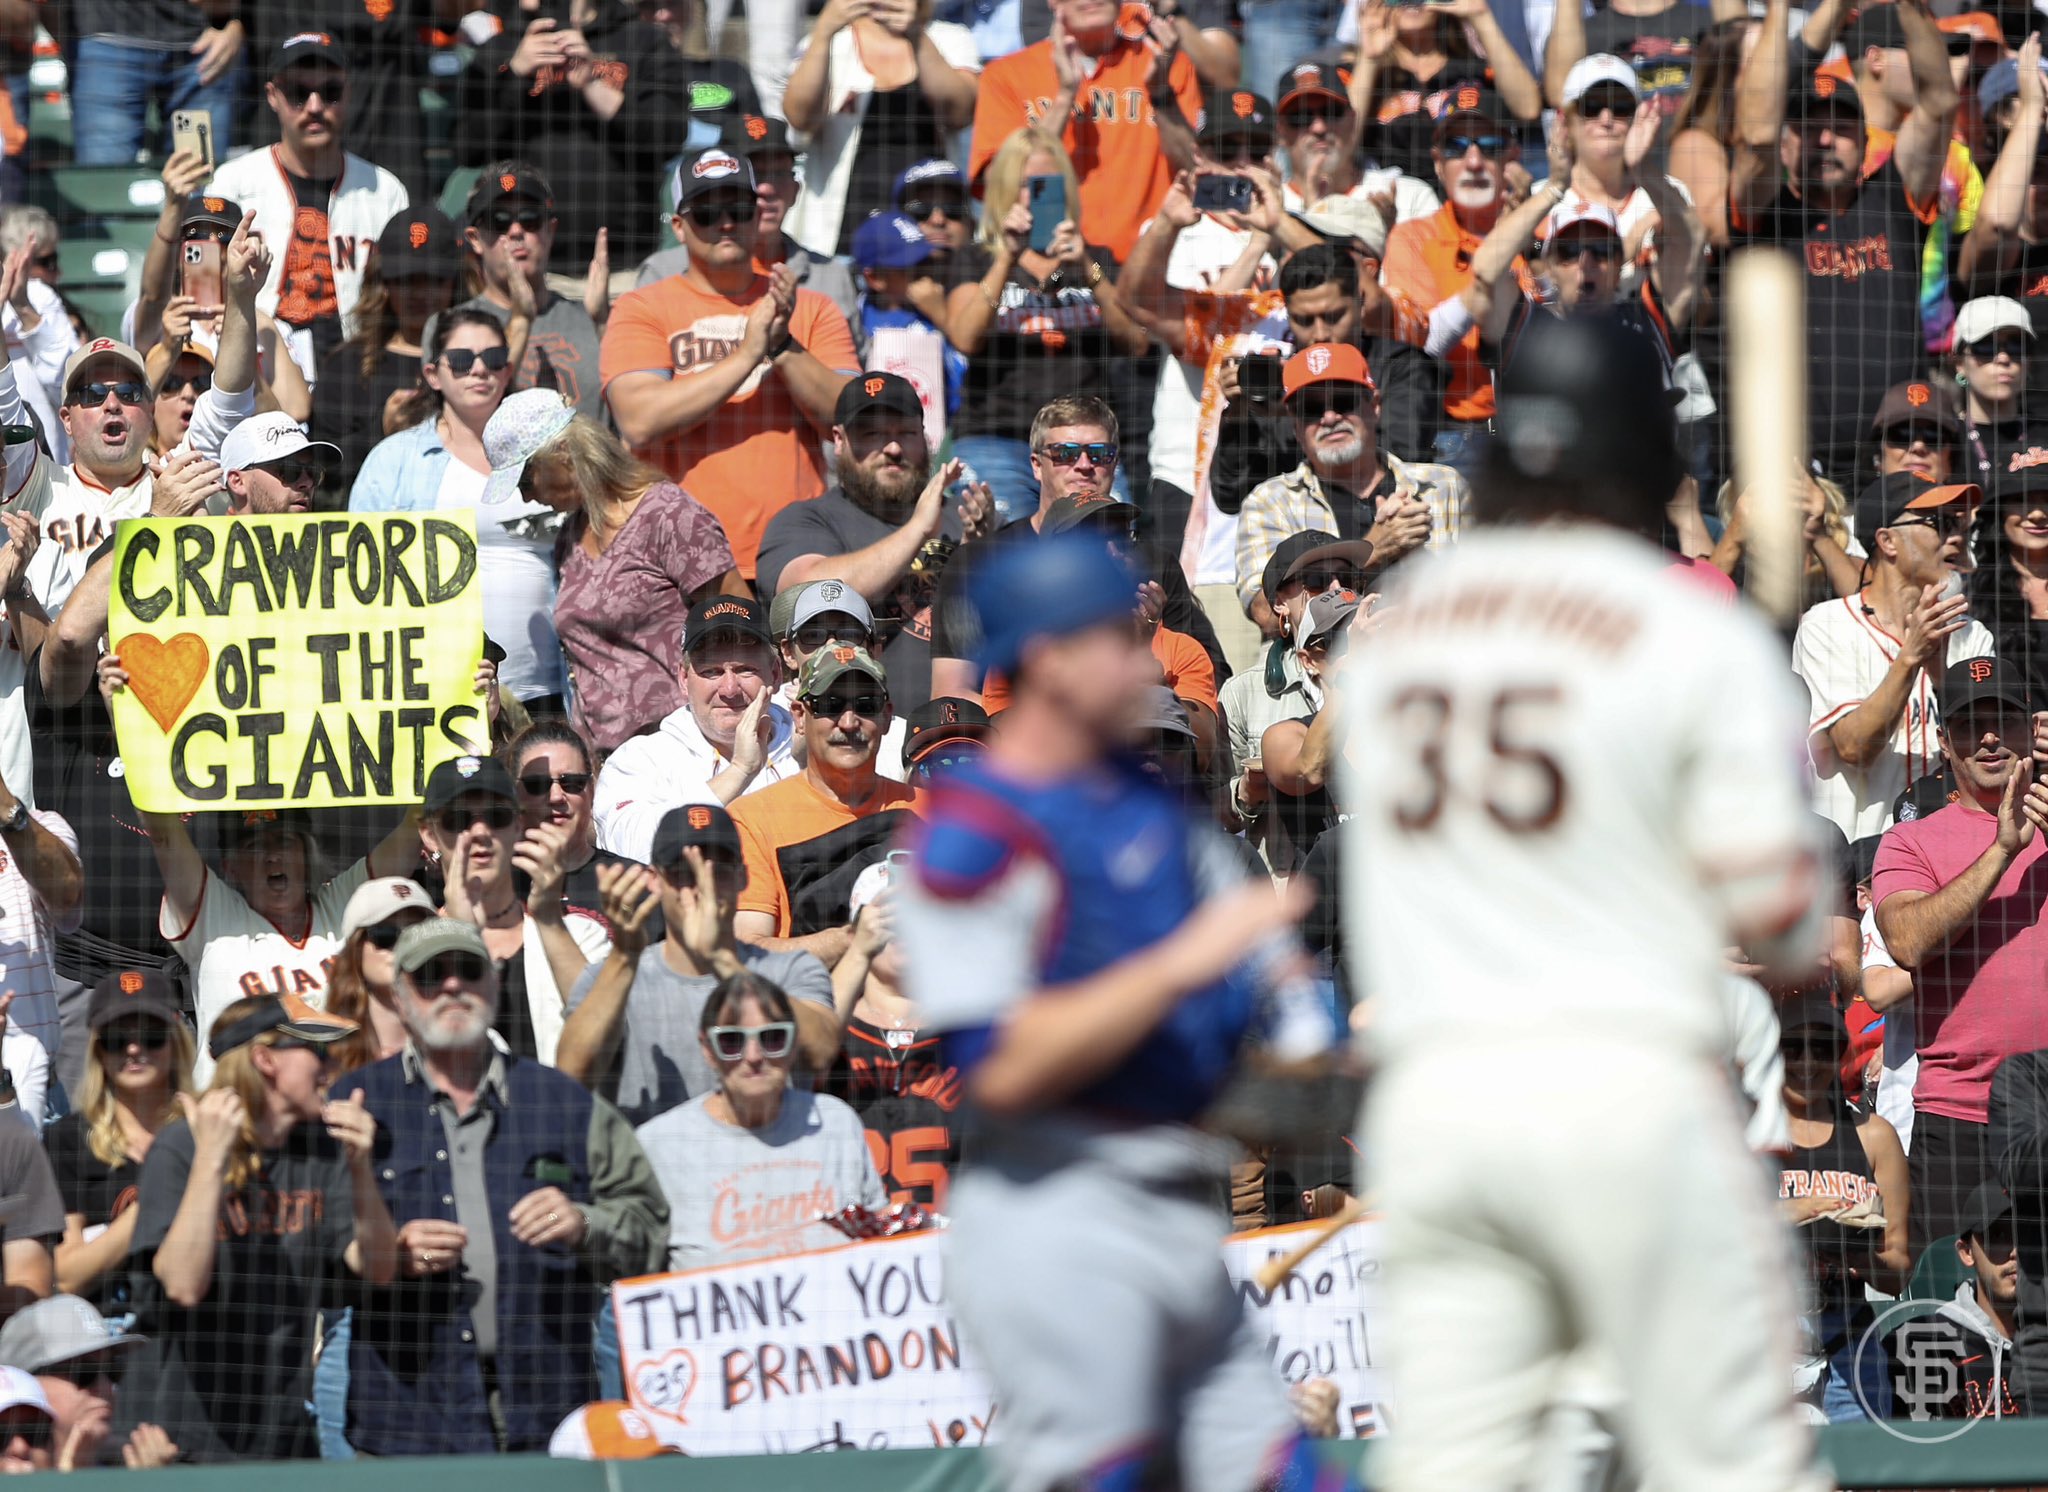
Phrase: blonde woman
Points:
(1036, 326)
(254, 1207)
(138, 1061)
(635, 552)
(1834, 561)
(878, 87)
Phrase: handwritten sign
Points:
(308, 659)
(854, 1347)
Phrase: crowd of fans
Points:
(348, 1118)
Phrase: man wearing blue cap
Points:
(933, 194)
(1072, 939)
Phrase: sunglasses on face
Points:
(45, 260)
(868, 705)
(151, 1036)
(199, 383)
(1809, 1049)
(1236, 153)
(500, 219)
(1070, 452)
(1603, 247)
(128, 391)
(1903, 437)
(681, 874)
(1984, 349)
(920, 208)
(1313, 406)
(712, 211)
(293, 470)
(383, 935)
(84, 1372)
(1486, 145)
(536, 784)
(442, 967)
(774, 1039)
(814, 635)
(461, 359)
(296, 93)
(1318, 578)
(1302, 115)
(37, 1429)
(1942, 523)
(945, 759)
(455, 819)
(1607, 98)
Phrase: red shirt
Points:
(1983, 997)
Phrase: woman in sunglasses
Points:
(138, 1061)
(359, 982)
(748, 1167)
(1990, 357)
(437, 461)
(551, 765)
(1843, 1185)
(255, 1206)
(179, 377)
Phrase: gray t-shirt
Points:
(561, 350)
(661, 1062)
(736, 1194)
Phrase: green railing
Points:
(1990, 1455)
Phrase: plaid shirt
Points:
(1293, 503)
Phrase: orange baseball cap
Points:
(608, 1430)
(1325, 362)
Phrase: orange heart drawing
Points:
(164, 675)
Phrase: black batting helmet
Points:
(1584, 426)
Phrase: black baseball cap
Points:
(1469, 103)
(1313, 80)
(1890, 499)
(2016, 484)
(286, 1013)
(740, 615)
(1977, 679)
(890, 391)
(307, 46)
(1917, 402)
(756, 134)
(202, 210)
(1818, 95)
(132, 992)
(232, 828)
(940, 720)
(502, 179)
(1297, 551)
(468, 774)
(1987, 1205)
(1875, 26)
(703, 826)
(1235, 113)
(419, 241)
(1103, 508)
(1812, 1011)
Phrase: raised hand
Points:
(1930, 622)
(2020, 814)
(540, 853)
(215, 1118)
(245, 263)
(751, 736)
(597, 285)
(183, 174)
(352, 1127)
(1178, 205)
(1641, 137)
(628, 896)
(23, 537)
(182, 486)
(148, 1448)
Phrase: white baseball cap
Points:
(263, 438)
(822, 596)
(1569, 214)
(381, 898)
(1601, 67)
(608, 1430)
(18, 1388)
(1991, 313)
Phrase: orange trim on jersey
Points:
(205, 880)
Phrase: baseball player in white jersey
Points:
(1547, 725)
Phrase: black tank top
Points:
(1836, 1167)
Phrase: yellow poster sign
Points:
(306, 659)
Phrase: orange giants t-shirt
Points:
(760, 452)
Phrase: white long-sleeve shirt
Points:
(670, 768)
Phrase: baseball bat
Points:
(1273, 1271)
(1767, 383)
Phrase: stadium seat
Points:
(455, 190)
(1938, 1272)
(74, 192)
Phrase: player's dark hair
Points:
(734, 988)
(1319, 264)
(546, 733)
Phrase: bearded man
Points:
(885, 529)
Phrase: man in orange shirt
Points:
(1429, 260)
(1126, 105)
(808, 838)
(725, 376)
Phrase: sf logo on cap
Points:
(1468, 98)
(830, 590)
(700, 818)
(844, 655)
(416, 235)
(1319, 360)
(507, 182)
(873, 387)
(1980, 670)
(1917, 394)
(131, 982)
(757, 127)
(1242, 106)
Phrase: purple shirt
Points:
(620, 614)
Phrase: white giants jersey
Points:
(1568, 772)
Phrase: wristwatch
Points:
(16, 821)
(788, 342)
